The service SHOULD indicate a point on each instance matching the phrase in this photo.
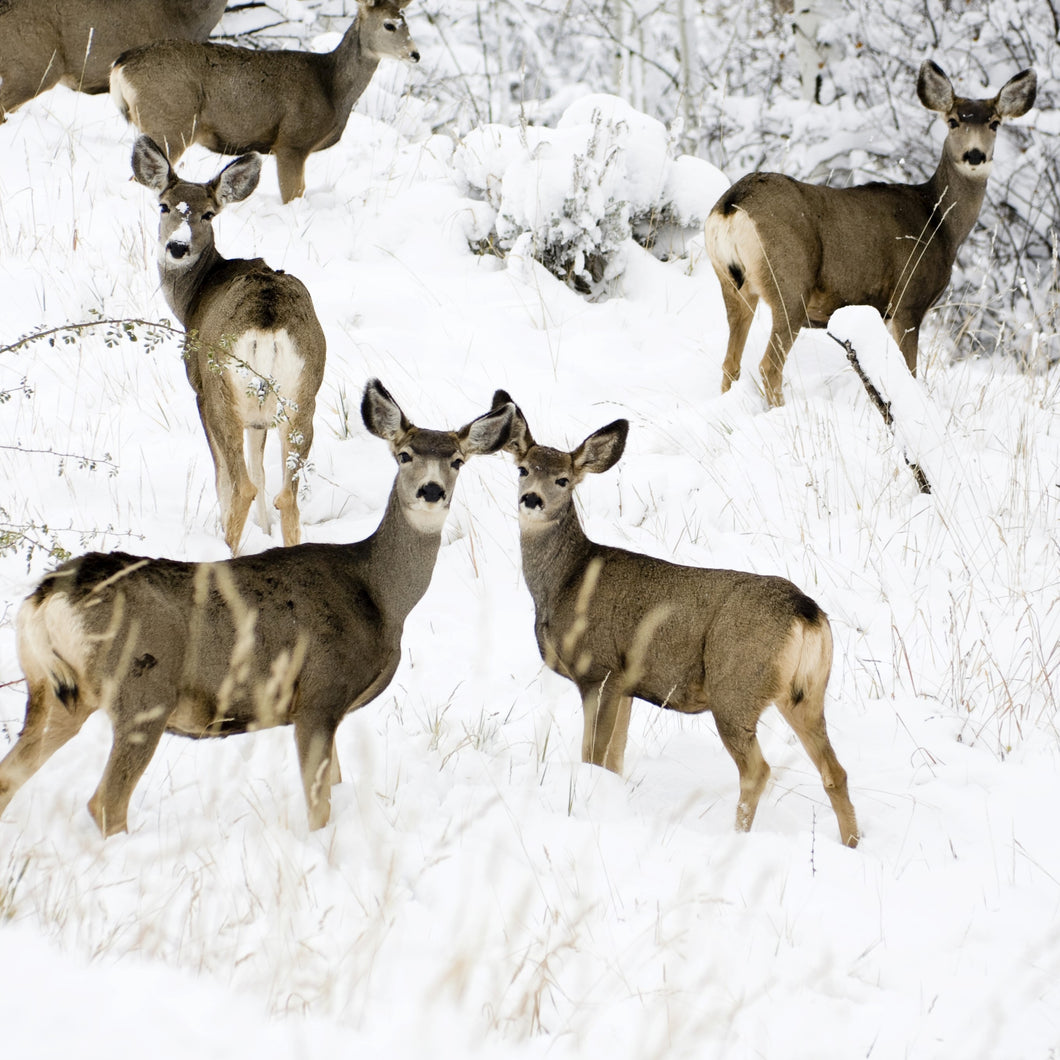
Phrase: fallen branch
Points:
(883, 407)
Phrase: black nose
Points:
(431, 492)
(974, 157)
(414, 56)
(178, 250)
(531, 500)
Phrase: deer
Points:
(622, 625)
(807, 250)
(254, 349)
(235, 100)
(295, 636)
(44, 43)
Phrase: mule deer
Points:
(255, 349)
(806, 250)
(293, 636)
(44, 43)
(233, 100)
(626, 626)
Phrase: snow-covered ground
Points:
(478, 891)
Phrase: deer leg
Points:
(807, 719)
(316, 759)
(907, 334)
(742, 744)
(290, 169)
(49, 725)
(606, 709)
(137, 730)
(740, 304)
(788, 317)
(256, 467)
(235, 491)
(296, 436)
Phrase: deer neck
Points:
(554, 555)
(399, 561)
(181, 284)
(957, 199)
(351, 70)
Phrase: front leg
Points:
(606, 709)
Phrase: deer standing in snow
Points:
(44, 43)
(806, 250)
(255, 349)
(235, 100)
(293, 636)
(625, 626)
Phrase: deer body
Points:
(622, 626)
(255, 350)
(293, 636)
(236, 100)
(807, 250)
(73, 42)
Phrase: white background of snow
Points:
(478, 891)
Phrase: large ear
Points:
(150, 165)
(601, 450)
(934, 88)
(489, 432)
(237, 180)
(1017, 96)
(520, 440)
(381, 413)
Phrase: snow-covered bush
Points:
(583, 189)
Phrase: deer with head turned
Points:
(44, 43)
(622, 626)
(255, 349)
(294, 636)
(806, 250)
(233, 100)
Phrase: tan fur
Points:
(806, 250)
(623, 626)
(44, 43)
(235, 100)
(295, 636)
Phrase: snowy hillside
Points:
(479, 891)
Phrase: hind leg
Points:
(256, 468)
(740, 305)
(49, 725)
(296, 436)
(742, 744)
(807, 719)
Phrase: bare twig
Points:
(883, 407)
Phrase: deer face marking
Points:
(384, 33)
(546, 478)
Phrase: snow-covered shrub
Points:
(583, 189)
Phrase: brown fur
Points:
(235, 100)
(806, 250)
(294, 636)
(44, 43)
(624, 626)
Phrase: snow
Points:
(479, 891)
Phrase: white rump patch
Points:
(266, 371)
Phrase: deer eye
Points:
(390, 27)
(163, 207)
(208, 215)
(562, 481)
(404, 458)
(953, 123)
(995, 125)
(522, 472)
(457, 464)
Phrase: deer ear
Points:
(519, 440)
(381, 413)
(491, 431)
(1017, 96)
(237, 180)
(601, 450)
(934, 88)
(150, 165)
